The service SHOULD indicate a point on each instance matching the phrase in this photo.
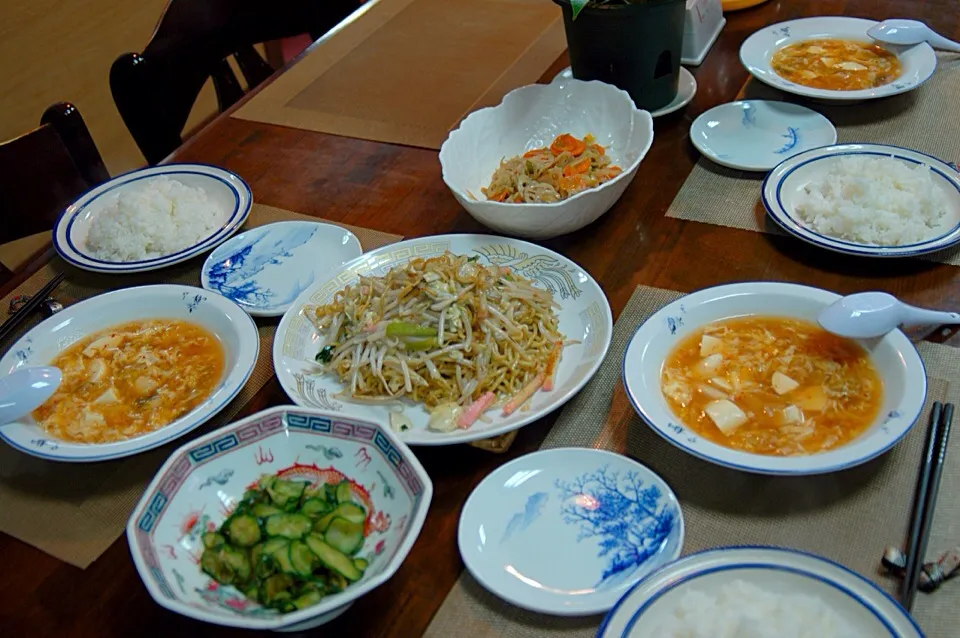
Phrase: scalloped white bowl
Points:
(531, 117)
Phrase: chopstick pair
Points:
(27, 309)
(925, 500)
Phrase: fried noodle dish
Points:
(459, 337)
(543, 175)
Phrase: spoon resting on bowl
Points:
(866, 315)
(907, 32)
(25, 390)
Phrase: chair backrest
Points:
(44, 170)
(156, 89)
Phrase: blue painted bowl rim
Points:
(736, 466)
(787, 222)
(754, 564)
(69, 216)
(668, 494)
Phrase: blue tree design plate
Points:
(569, 531)
(265, 269)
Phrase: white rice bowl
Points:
(154, 218)
(876, 200)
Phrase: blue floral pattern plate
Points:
(569, 531)
(265, 269)
(756, 135)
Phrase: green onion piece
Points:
(325, 355)
(406, 329)
(420, 344)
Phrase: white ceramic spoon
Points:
(906, 32)
(25, 390)
(873, 314)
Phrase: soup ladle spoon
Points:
(873, 314)
(906, 32)
(25, 390)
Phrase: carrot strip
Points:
(578, 168)
(567, 143)
(475, 409)
(551, 367)
(525, 393)
(534, 152)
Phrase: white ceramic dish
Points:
(756, 135)
(235, 330)
(894, 357)
(584, 315)
(531, 117)
(782, 187)
(919, 62)
(570, 503)
(265, 269)
(862, 604)
(227, 189)
(686, 90)
(202, 481)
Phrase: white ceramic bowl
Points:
(919, 62)
(782, 187)
(859, 602)
(202, 481)
(584, 315)
(231, 325)
(611, 519)
(531, 117)
(221, 186)
(894, 357)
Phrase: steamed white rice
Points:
(743, 610)
(153, 218)
(879, 201)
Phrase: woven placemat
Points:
(923, 119)
(849, 516)
(76, 511)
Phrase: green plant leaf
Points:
(577, 6)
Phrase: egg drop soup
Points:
(836, 65)
(772, 386)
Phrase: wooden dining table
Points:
(399, 190)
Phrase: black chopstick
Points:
(17, 318)
(925, 501)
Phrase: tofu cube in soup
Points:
(783, 384)
(726, 415)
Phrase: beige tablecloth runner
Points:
(407, 71)
(76, 511)
(924, 119)
(849, 516)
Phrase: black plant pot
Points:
(635, 47)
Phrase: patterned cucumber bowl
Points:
(352, 464)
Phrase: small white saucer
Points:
(569, 531)
(756, 135)
(265, 269)
(686, 91)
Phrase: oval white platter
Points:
(568, 531)
(220, 185)
(265, 269)
(584, 315)
(782, 188)
(756, 135)
(894, 358)
(919, 62)
(862, 604)
(231, 325)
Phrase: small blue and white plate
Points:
(783, 186)
(265, 269)
(863, 606)
(568, 531)
(756, 135)
(226, 189)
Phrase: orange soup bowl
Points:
(735, 395)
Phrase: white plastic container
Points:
(702, 25)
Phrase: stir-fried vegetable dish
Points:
(287, 545)
(458, 336)
(542, 175)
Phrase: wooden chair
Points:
(156, 89)
(44, 170)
